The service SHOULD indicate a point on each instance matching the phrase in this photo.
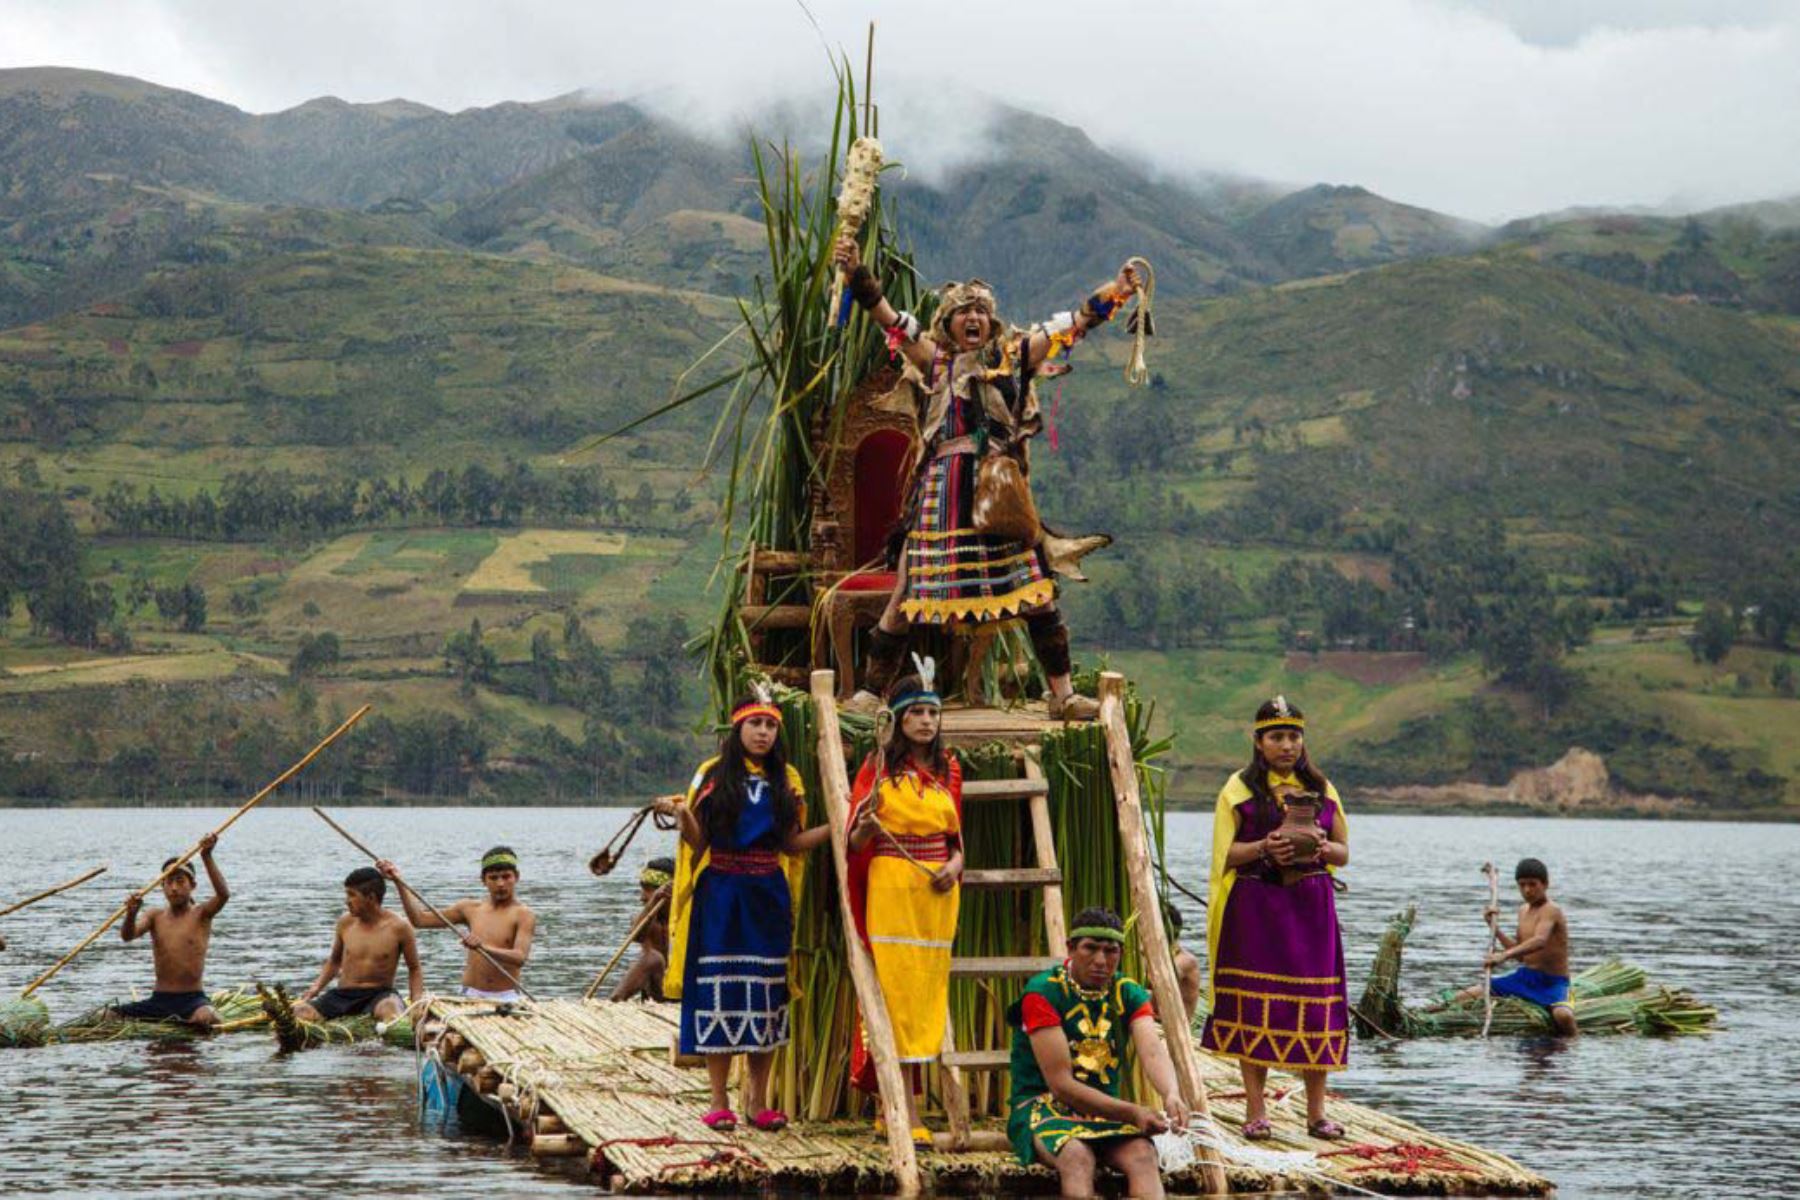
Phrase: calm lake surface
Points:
(1710, 907)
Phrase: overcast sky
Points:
(1485, 108)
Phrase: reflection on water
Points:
(1706, 906)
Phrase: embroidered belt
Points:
(925, 847)
(956, 445)
(745, 862)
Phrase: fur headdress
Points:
(954, 297)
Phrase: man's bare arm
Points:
(130, 930)
(334, 962)
(849, 259)
(1153, 1052)
(220, 893)
(1051, 1048)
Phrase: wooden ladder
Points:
(1032, 788)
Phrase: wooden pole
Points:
(1153, 939)
(49, 892)
(410, 890)
(1487, 974)
(243, 808)
(656, 905)
(834, 781)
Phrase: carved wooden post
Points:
(834, 781)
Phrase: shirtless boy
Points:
(179, 936)
(1541, 947)
(500, 925)
(365, 956)
(644, 981)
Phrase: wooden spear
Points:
(1487, 977)
(657, 903)
(49, 892)
(181, 862)
(410, 890)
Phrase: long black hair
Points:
(1256, 775)
(896, 751)
(730, 780)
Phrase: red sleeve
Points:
(1037, 1013)
(1146, 1009)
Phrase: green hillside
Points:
(289, 403)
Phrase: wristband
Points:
(865, 287)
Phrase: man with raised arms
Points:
(500, 925)
(179, 937)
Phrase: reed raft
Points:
(592, 1082)
(26, 1023)
(1609, 997)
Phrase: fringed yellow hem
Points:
(980, 608)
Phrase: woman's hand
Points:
(867, 823)
(1280, 849)
(945, 877)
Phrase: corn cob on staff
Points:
(856, 200)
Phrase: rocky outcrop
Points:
(1576, 784)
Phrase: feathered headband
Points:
(925, 693)
(760, 704)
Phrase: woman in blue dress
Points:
(744, 813)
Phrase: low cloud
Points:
(1485, 108)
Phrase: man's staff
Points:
(1493, 914)
(49, 892)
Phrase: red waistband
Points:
(745, 862)
(925, 847)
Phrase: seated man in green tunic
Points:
(1070, 1030)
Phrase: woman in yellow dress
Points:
(906, 859)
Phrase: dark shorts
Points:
(350, 1002)
(164, 1006)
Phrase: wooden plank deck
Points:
(602, 1071)
(1026, 724)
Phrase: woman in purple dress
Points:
(1275, 954)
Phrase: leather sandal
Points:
(1258, 1130)
(1325, 1129)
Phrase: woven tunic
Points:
(952, 572)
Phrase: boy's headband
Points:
(1099, 933)
(650, 877)
(498, 859)
(755, 708)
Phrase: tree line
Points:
(265, 503)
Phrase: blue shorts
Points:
(1528, 983)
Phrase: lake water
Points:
(1709, 907)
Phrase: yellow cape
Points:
(687, 874)
(1225, 827)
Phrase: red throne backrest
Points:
(880, 474)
